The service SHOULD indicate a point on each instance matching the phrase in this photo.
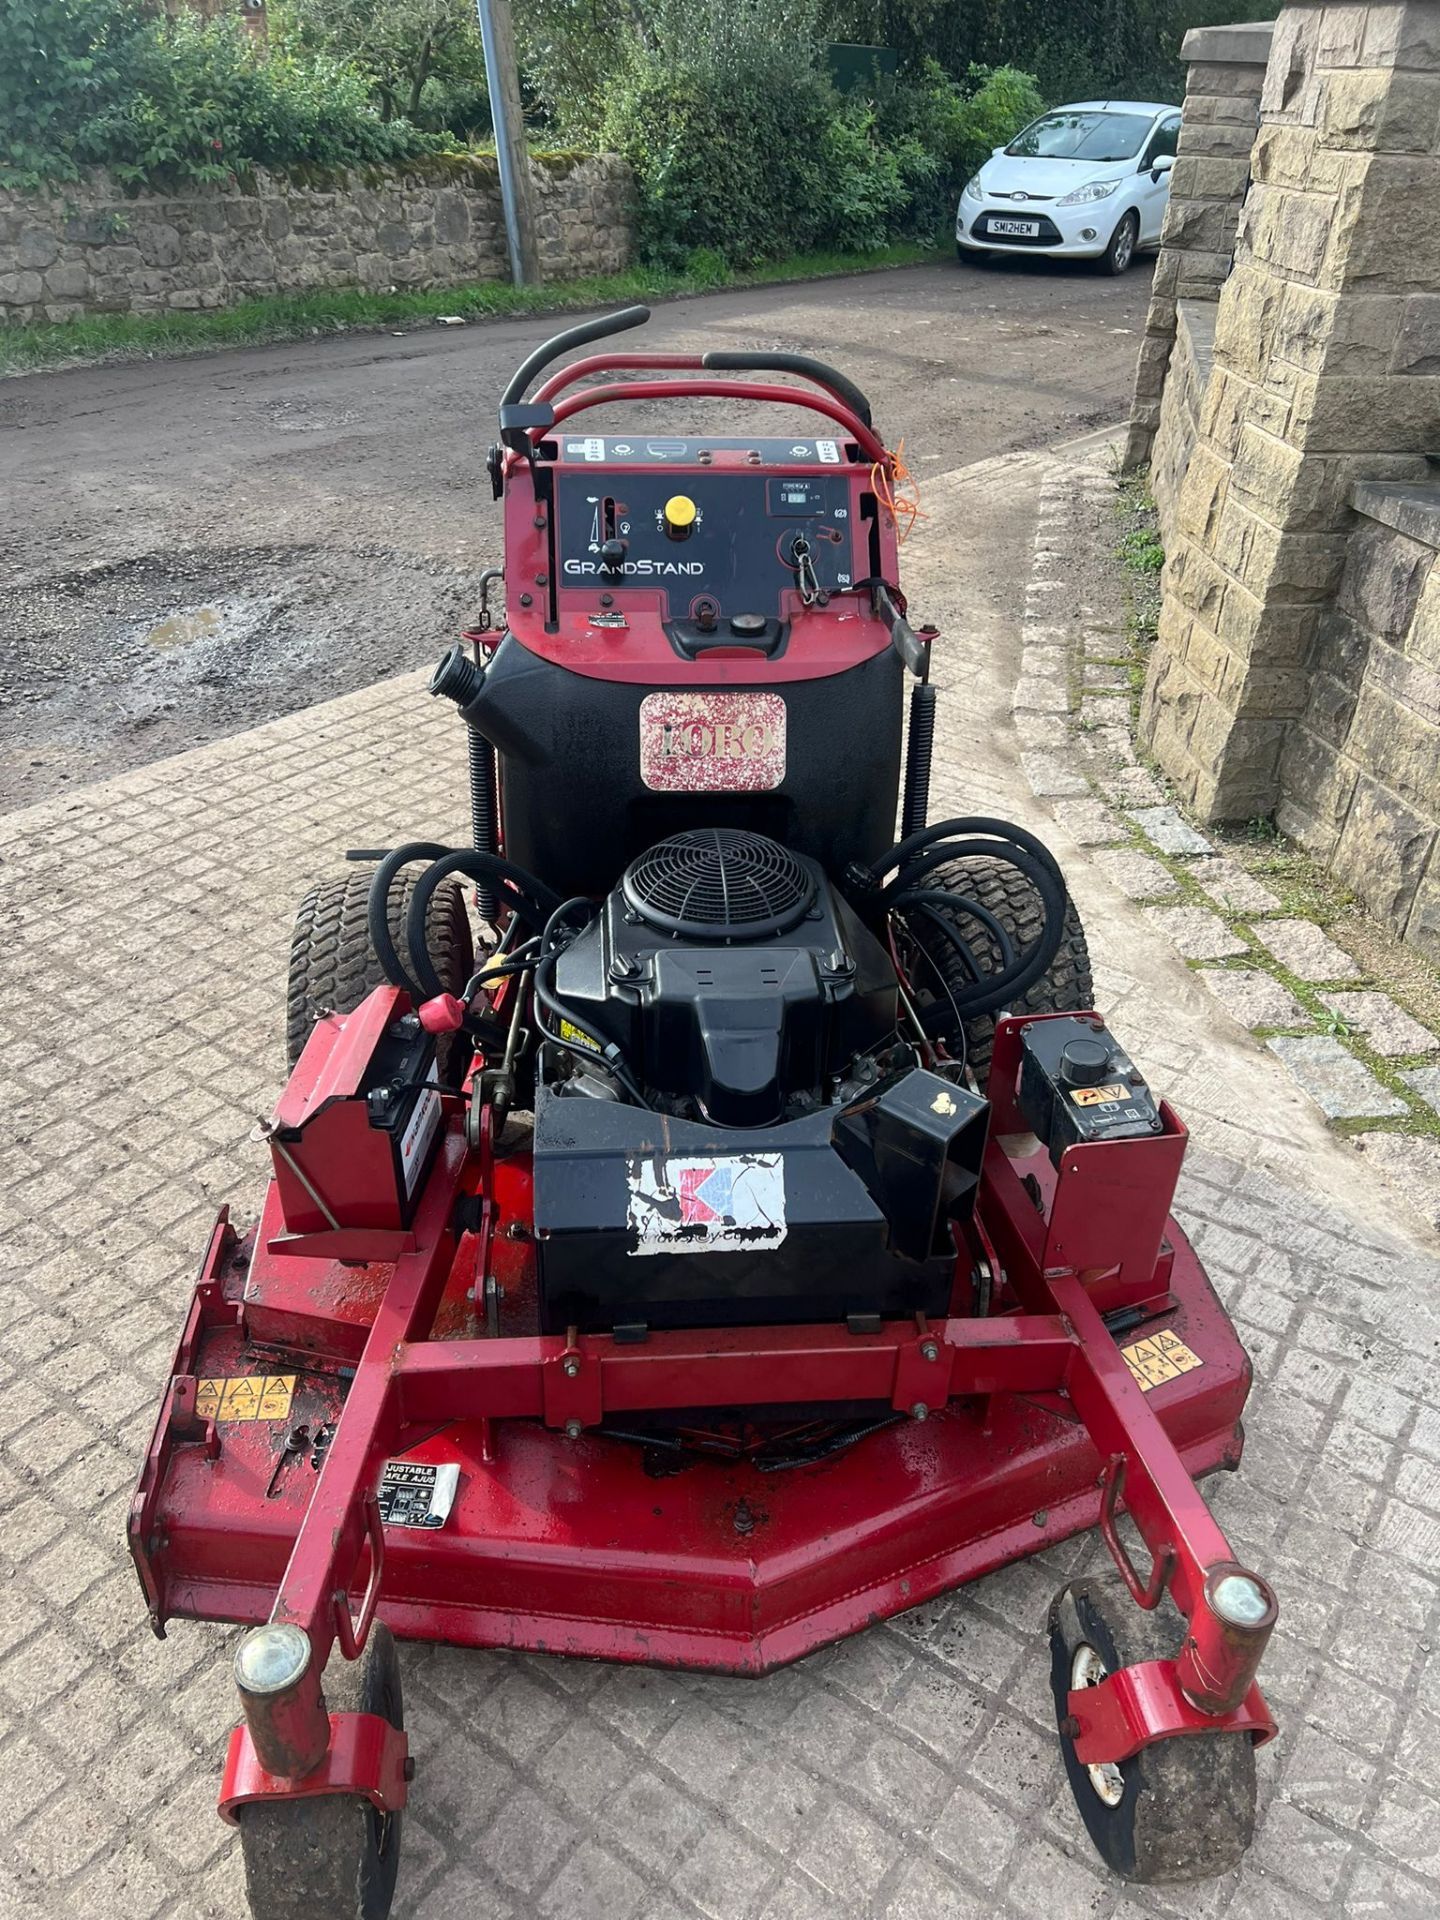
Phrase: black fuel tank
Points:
(576, 806)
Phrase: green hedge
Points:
(114, 83)
(766, 158)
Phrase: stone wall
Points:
(1224, 73)
(1184, 395)
(1327, 372)
(90, 248)
(1360, 772)
(1296, 673)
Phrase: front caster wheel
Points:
(333, 1857)
(1183, 1809)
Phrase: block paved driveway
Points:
(910, 1772)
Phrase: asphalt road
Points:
(198, 545)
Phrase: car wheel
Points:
(1121, 250)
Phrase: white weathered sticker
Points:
(419, 1132)
(413, 1495)
(730, 1205)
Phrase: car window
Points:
(1082, 136)
(1165, 140)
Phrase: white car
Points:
(1090, 181)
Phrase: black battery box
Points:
(1079, 1086)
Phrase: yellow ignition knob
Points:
(680, 516)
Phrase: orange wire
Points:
(899, 492)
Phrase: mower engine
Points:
(779, 1127)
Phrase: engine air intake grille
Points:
(719, 882)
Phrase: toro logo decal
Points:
(712, 742)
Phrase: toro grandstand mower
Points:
(758, 1234)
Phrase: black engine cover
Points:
(745, 1030)
(646, 1221)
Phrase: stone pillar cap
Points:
(1244, 44)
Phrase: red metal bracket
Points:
(1145, 1593)
(366, 1756)
(353, 1633)
(1139, 1705)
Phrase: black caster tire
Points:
(1119, 256)
(333, 965)
(1066, 985)
(1181, 1810)
(332, 1857)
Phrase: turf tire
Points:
(332, 1857)
(333, 965)
(1187, 1809)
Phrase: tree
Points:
(401, 46)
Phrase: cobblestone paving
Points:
(909, 1773)
(1066, 645)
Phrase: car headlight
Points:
(972, 189)
(1093, 190)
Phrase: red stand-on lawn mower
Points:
(759, 1235)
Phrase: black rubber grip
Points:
(800, 363)
(581, 336)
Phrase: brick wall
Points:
(1360, 772)
(90, 248)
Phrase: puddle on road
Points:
(181, 629)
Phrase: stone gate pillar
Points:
(1224, 72)
(1326, 372)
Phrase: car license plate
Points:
(1022, 229)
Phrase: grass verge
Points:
(142, 336)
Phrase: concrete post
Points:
(1326, 372)
(1224, 73)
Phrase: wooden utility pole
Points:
(502, 76)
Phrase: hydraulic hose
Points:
(377, 911)
(528, 897)
(922, 850)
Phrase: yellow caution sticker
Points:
(1158, 1358)
(1100, 1096)
(251, 1396)
(577, 1037)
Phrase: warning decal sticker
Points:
(412, 1495)
(1100, 1096)
(734, 1204)
(1159, 1358)
(253, 1396)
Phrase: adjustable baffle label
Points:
(412, 1495)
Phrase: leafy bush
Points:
(956, 127)
(111, 83)
(754, 156)
(736, 168)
